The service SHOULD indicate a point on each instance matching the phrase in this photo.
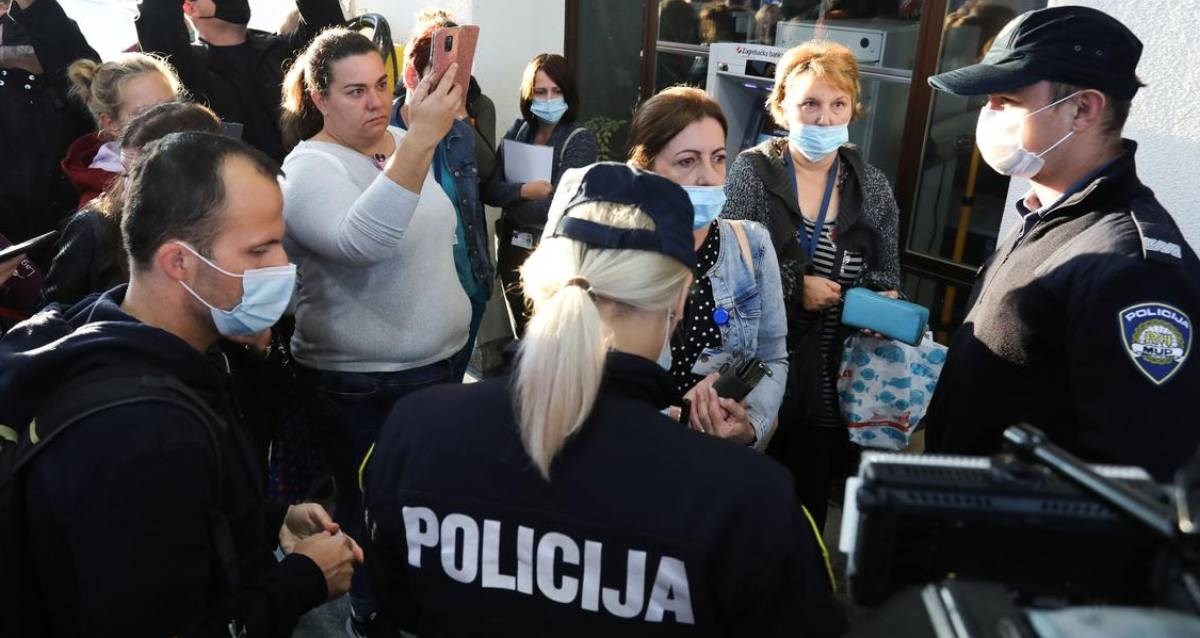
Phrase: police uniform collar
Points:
(638, 378)
(1119, 175)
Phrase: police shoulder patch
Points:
(1157, 337)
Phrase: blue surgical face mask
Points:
(815, 142)
(707, 202)
(549, 111)
(265, 296)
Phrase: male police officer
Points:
(1082, 320)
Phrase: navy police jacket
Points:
(644, 528)
(1082, 326)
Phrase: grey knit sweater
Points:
(378, 290)
(761, 187)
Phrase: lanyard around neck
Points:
(810, 247)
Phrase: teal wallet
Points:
(896, 319)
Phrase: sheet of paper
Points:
(527, 162)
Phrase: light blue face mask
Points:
(707, 202)
(549, 111)
(815, 142)
(265, 296)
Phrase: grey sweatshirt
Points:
(377, 287)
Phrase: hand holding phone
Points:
(736, 381)
(451, 45)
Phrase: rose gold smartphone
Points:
(454, 44)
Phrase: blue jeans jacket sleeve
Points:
(758, 326)
(764, 401)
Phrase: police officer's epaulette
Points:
(1161, 239)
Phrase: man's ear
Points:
(1090, 114)
(174, 261)
(189, 8)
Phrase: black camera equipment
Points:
(1034, 526)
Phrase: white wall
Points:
(511, 32)
(1165, 118)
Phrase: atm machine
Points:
(740, 76)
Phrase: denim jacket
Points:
(757, 325)
(457, 149)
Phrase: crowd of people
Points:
(260, 237)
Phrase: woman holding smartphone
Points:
(549, 106)
(734, 309)
(380, 311)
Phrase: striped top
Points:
(831, 347)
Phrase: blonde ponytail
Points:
(81, 73)
(98, 85)
(562, 356)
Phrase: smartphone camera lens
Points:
(449, 43)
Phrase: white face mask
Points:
(998, 135)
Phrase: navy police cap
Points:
(610, 182)
(1073, 45)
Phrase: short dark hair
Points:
(176, 192)
(1116, 110)
(166, 118)
(557, 69)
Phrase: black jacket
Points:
(645, 527)
(1066, 327)
(118, 505)
(89, 258)
(242, 83)
(38, 121)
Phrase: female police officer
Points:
(562, 500)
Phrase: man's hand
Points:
(302, 521)
(336, 555)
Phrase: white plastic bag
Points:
(884, 387)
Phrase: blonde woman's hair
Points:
(98, 85)
(827, 60)
(562, 354)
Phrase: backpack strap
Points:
(103, 389)
(739, 231)
(567, 142)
